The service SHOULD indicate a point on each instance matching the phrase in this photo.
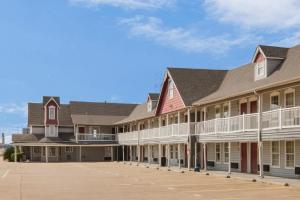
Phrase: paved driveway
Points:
(91, 181)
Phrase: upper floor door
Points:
(253, 107)
(243, 109)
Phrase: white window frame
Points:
(170, 89)
(52, 112)
(223, 110)
(275, 166)
(49, 152)
(39, 150)
(149, 108)
(273, 94)
(294, 153)
(216, 152)
(263, 65)
(219, 108)
(226, 152)
(70, 149)
(290, 91)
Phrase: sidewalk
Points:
(247, 177)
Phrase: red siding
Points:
(167, 105)
(48, 121)
(259, 58)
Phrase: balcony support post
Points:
(204, 157)
(159, 155)
(196, 154)
(243, 122)
(168, 155)
(46, 154)
(79, 153)
(229, 157)
(149, 155)
(280, 118)
(189, 144)
(123, 152)
(138, 143)
(259, 137)
(112, 153)
(179, 156)
(130, 153)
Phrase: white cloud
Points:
(274, 14)
(13, 108)
(128, 4)
(289, 41)
(181, 38)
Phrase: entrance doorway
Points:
(254, 164)
(244, 157)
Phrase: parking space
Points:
(36, 181)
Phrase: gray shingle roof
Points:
(194, 84)
(275, 52)
(154, 96)
(36, 114)
(241, 80)
(140, 112)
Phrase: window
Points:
(289, 98)
(275, 101)
(226, 152)
(225, 110)
(217, 112)
(171, 151)
(218, 152)
(149, 106)
(44, 151)
(275, 154)
(69, 149)
(52, 112)
(289, 154)
(52, 151)
(36, 150)
(170, 89)
(260, 69)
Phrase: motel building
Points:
(243, 120)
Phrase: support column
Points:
(130, 153)
(260, 150)
(196, 154)
(159, 155)
(259, 137)
(229, 158)
(149, 155)
(189, 144)
(112, 153)
(168, 155)
(179, 158)
(204, 157)
(80, 154)
(15, 154)
(123, 148)
(46, 154)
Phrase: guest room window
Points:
(289, 154)
(170, 89)
(52, 151)
(218, 152)
(52, 112)
(226, 152)
(274, 101)
(69, 149)
(225, 110)
(217, 112)
(289, 97)
(275, 154)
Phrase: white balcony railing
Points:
(241, 123)
(129, 136)
(95, 137)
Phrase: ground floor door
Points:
(254, 158)
(244, 157)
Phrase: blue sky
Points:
(117, 50)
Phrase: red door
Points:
(81, 130)
(244, 157)
(243, 108)
(253, 107)
(254, 158)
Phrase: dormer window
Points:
(52, 112)
(260, 70)
(149, 106)
(170, 89)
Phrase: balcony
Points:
(95, 137)
(169, 133)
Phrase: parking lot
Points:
(54, 181)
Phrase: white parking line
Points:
(5, 174)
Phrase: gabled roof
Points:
(36, 114)
(140, 112)
(241, 79)
(46, 99)
(194, 84)
(153, 96)
(271, 52)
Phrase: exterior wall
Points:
(281, 171)
(37, 130)
(259, 58)
(167, 105)
(234, 108)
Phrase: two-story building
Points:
(230, 120)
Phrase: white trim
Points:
(271, 153)
(285, 160)
(289, 91)
(224, 161)
(51, 116)
(273, 94)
